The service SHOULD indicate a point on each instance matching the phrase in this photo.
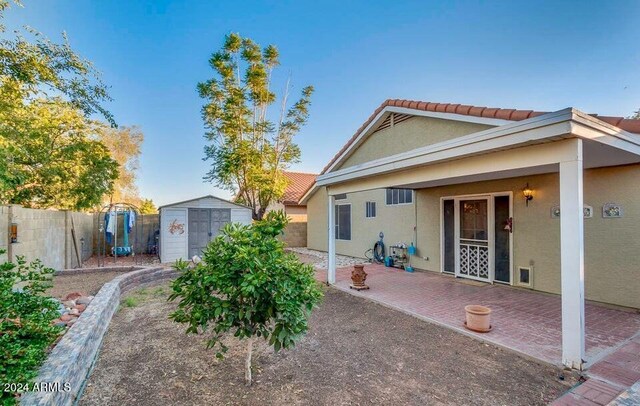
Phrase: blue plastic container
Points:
(388, 261)
(408, 268)
(122, 251)
(412, 249)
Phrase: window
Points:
(399, 196)
(370, 209)
(343, 221)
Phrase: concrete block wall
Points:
(295, 235)
(45, 235)
(83, 224)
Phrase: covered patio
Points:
(547, 327)
(525, 321)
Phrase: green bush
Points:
(249, 285)
(26, 315)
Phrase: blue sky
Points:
(543, 55)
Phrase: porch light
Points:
(527, 193)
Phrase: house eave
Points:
(566, 123)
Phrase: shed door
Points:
(204, 225)
(219, 217)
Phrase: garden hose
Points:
(378, 251)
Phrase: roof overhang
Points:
(602, 140)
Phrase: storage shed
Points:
(187, 227)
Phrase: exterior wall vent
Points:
(393, 119)
(525, 276)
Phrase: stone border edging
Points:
(71, 360)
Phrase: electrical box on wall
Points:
(13, 233)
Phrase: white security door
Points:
(473, 259)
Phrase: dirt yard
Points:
(356, 352)
(87, 283)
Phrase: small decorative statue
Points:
(358, 276)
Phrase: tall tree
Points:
(124, 145)
(148, 207)
(52, 157)
(49, 156)
(41, 67)
(248, 151)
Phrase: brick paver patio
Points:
(526, 321)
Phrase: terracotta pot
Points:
(478, 318)
(358, 276)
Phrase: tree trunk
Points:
(247, 363)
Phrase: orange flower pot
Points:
(478, 318)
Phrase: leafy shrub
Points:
(26, 316)
(248, 284)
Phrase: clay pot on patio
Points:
(358, 276)
(478, 318)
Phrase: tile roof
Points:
(630, 125)
(299, 183)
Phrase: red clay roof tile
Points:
(520, 115)
(504, 114)
(476, 111)
(490, 112)
(299, 183)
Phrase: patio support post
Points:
(572, 259)
(331, 261)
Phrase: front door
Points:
(474, 250)
(476, 237)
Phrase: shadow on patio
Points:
(525, 321)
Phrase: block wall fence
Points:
(46, 235)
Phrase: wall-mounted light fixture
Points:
(527, 193)
(14, 233)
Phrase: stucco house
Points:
(547, 201)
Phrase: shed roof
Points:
(204, 197)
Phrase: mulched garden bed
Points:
(356, 352)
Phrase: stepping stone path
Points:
(71, 307)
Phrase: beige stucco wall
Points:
(295, 213)
(612, 270)
(413, 133)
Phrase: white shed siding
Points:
(241, 216)
(175, 245)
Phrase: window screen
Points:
(343, 222)
(399, 196)
(370, 209)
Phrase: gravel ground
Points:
(356, 352)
